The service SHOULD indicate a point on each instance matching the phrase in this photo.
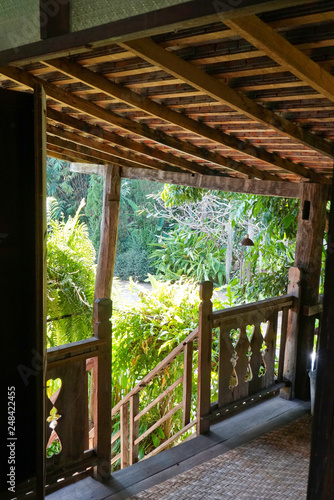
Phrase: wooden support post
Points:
(109, 229)
(187, 382)
(204, 357)
(290, 356)
(134, 428)
(311, 226)
(102, 435)
(103, 284)
(321, 477)
(124, 416)
(40, 276)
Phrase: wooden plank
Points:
(159, 398)
(115, 458)
(101, 83)
(110, 212)
(321, 478)
(159, 422)
(171, 439)
(284, 53)
(204, 356)
(171, 63)
(124, 436)
(187, 382)
(40, 277)
(261, 306)
(102, 417)
(228, 184)
(115, 436)
(190, 14)
(308, 254)
(314, 310)
(134, 429)
(68, 351)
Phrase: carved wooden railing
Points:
(248, 352)
(67, 408)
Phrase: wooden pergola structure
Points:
(234, 96)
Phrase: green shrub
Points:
(70, 278)
(133, 262)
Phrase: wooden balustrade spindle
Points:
(257, 382)
(242, 348)
(187, 382)
(269, 356)
(204, 356)
(225, 367)
(124, 416)
(284, 327)
(134, 428)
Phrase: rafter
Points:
(79, 151)
(111, 137)
(284, 53)
(92, 109)
(101, 83)
(104, 148)
(195, 77)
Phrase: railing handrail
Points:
(277, 303)
(150, 376)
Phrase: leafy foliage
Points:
(135, 231)
(70, 278)
(198, 245)
(69, 188)
(183, 253)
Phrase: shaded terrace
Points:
(234, 99)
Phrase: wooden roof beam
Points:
(226, 184)
(195, 77)
(95, 111)
(101, 83)
(284, 53)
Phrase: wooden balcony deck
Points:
(184, 460)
